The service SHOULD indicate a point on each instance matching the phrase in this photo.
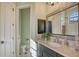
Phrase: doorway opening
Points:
(24, 27)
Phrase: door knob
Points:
(2, 42)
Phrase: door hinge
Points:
(12, 24)
(13, 52)
(12, 38)
(12, 9)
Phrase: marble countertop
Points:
(61, 49)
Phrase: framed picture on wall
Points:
(41, 26)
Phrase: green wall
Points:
(25, 25)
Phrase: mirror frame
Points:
(78, 19)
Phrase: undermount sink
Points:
(55, 45)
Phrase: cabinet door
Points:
(39, 50)
(58, 55)
(47, 55)
(48, 52)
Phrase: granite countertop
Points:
(61, 49)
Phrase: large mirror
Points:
(65, 22)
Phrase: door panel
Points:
(10, 29)
(7, 30)
(2, 17)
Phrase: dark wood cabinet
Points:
(39, 50)
(43, 51)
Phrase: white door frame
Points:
(17, 26)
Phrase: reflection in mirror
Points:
(71, 22)
(65, 22)
(56, 23)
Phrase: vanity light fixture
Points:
(50, 3)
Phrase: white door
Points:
(2, 45)
(7, 30)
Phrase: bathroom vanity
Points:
(63, 44)
(43, 51)
(53, 49)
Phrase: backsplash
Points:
(71, 41)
